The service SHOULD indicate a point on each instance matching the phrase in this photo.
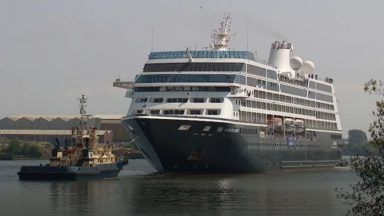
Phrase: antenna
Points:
(247, 32)
(221, 36)
(83, 104)
(152, 35)
(203, 26)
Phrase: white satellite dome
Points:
(296, 62)
(308, 67)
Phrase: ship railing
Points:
(302, 81)
(317, 77)
(279, 136)
(238, 95)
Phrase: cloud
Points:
(348, 87)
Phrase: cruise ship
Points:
(221, 110)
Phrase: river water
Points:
(140, 191)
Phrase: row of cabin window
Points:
(320, 86)
(336, 136)
(320, 124)
(262, 84)
(253, 117)
(202, 54)
(200, 66)
(288, 109)
(181, 112)
(196, 66)
(248, 131)
(308, 146)
(183, 88)
(293, 100)
(309, 134)
(179, 100)
(190, 78)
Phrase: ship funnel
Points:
(280, 56)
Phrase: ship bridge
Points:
(210, 54)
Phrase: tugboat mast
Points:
(84, 133)
(83, 113)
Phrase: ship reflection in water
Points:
(139, 191)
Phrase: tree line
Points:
(23, 149)
(357, 144)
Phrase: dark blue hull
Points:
(47, 173)
(223, 146)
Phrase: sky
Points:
(51, 52)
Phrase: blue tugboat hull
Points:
(48, 173)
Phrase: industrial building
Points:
(48, 128)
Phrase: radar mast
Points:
(83, 113)
(221, 36)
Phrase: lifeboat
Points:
(299, 124)
(289, 124)
(277, 121)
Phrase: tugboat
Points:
(84, 160)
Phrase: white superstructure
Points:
(255, 92)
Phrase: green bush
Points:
(15, 147)
(366, 197)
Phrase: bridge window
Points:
(197, 100)
(213, 112)
(195, 112)
(256, 70)
(155, 112)
(139, 111)
(141, 100)
(177, 100)
(272, 74)
(216, 100)
(173, 112)
(158, 100)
